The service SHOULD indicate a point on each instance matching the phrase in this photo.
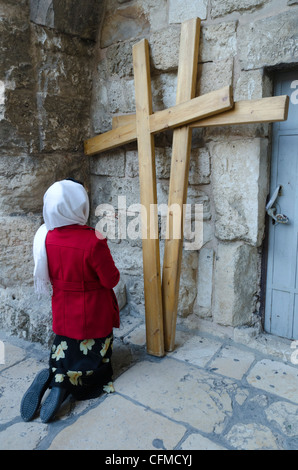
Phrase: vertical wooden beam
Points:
(148, 199)
(187, 75)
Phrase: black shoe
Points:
(52, 403)
(32, 398)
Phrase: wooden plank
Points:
(184, 113)
(186, 87)
(176, 116)
(271, 109)
(148, 198)
(111, 139)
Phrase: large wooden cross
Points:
(213, 109)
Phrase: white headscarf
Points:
(64, 203)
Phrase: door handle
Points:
(272, 211)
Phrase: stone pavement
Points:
(220, 389)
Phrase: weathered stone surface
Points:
(80, 18)
(157, 13)
(128, 433)
(162, 162)
(214, 75)
(182, 10)
(198, 442)
(164, 88)
(14, 383)
(30, 436)
(117, 60)
(195, 350)
(24, 180)
(284, 414)
(232, 362)
(199, 167)
(252, 436)
(203, 302)
(164, 47)
(276, 378)
(224, 7)
(109, 164)
(16, 241)
(169, 388)
(120, 292)
(107, 190)
(239, 180)
(18, 126)
(187, 290)
(126, 22)
(268, 41)
(218, 42)
(235, 284)
(63, 90)
(26, 316)
(250, 85)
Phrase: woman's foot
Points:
(32, 398)
(52, 404)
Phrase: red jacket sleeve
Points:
(104, 264)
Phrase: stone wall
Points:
(241, 41)
(67, 70)
(46, 83)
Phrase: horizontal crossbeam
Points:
(271, 109)
(198, 108)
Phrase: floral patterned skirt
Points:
(84, 367)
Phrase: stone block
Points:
(249, 85)
(120, 292)
(80, 18)
(120, 96)
(275, 377)
(203, 302)
(63, 89)
(232, 362)
(118, 60)
(214, 75)
(235, 284)
(239, 182)
(16, 241)
(24, 315)
(195, 350)
(24, 180)
(162, 162)
(106, 190)
(164, 88)
(218, 42)
(188, 287)
(284, 414)
(19, 129)
(164, 48)
(169, 388)
(110, 163)
(113, 417)
(225, 7)
(157, 13)
(198, 442)
(126, 22)
(252, 436)
(268, 41)
(183, 10)
(199, 168)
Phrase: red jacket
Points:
(83, 275)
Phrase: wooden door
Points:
(281, 307)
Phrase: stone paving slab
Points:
(211, 393)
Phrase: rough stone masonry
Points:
(67, 70)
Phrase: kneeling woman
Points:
(75, 262)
